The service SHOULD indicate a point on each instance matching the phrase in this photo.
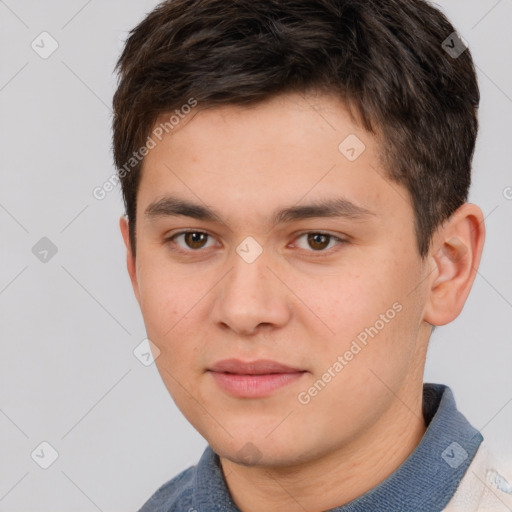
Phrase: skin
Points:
(298, 303)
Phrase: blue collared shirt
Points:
(424, 482)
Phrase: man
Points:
(295, 176)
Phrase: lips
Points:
(253, 379)
(259, 367)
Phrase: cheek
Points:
(368, 311)
(341, 305)
(168, 310)
(166, 298)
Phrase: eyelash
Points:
(322, 252)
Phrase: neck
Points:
(336, 478)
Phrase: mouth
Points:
(253, 379)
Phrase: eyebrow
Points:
(170, 206)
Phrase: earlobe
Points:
(130, 259)
(456, 252)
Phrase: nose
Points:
(251, 297)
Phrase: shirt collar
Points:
(425, 481)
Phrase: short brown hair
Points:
(384, 58)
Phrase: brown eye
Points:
(195, 240)
(315, 241)
(192, 241)
(318, 241)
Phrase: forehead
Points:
(289, 149)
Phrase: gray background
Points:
(68, 375)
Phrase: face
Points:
(286, 299)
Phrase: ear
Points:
(130, 259)
(454, 256)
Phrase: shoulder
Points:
(173, 496)
(484, 488)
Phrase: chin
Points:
(260, 451)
